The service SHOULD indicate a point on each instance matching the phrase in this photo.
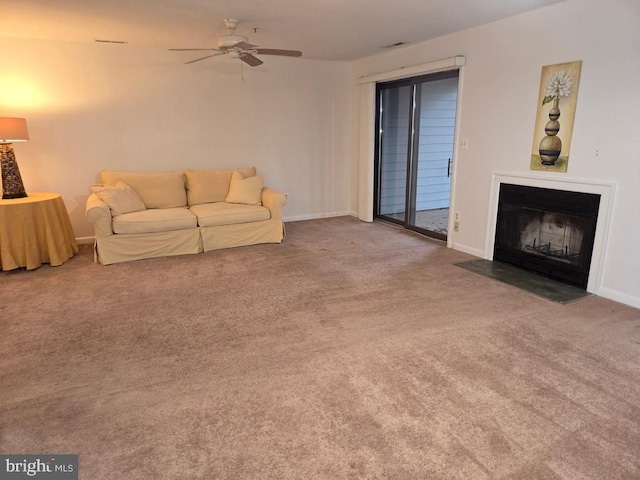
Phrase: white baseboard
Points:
(476, 252)
(314, 216)
(85, 240)
(625, 298)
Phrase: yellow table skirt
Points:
(35, 230)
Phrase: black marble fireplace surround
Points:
(547, 232)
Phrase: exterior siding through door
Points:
(394, 151)
(437, 128)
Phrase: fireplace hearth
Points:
(548, 232)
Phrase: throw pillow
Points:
(245, 190)
(210, 186)
(121, 198)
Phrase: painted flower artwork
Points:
(558, 85)
(554, 120)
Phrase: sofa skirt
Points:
(241, 234)
(124, 247)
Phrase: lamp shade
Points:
(13, 130)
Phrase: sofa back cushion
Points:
(157, 190)
(209, 186)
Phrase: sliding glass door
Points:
(416, 125)
(396, 103)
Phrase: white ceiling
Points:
(322, 29)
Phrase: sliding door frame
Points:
(412, 147)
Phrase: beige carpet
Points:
(350, 351)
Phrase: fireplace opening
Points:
(548, 232)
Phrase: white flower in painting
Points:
(559, 84)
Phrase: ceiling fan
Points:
(237, 46)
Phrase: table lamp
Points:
(11, 130)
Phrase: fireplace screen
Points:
(549, 232)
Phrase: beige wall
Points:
(499, 99)
(93, 106)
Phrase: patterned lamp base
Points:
(12, 186)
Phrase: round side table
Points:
(35, 230)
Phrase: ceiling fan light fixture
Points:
(229, 41)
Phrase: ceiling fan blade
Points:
(251, 60)
(190, 49)
(275, 51)
(203, 58)
(244, 45)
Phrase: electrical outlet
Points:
(464, 144)
(456, 222)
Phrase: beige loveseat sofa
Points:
(145, 215)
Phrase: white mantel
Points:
(606, 190)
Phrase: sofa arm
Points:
(99, 214)
(274, 201)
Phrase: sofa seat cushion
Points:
(221, 213)
(155, 220)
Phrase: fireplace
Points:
(546, 231)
